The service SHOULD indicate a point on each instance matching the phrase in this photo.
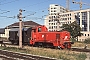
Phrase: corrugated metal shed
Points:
(25, 24)
(2, 30)
(17, 29)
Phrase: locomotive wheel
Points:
(56, 47)
(36, 44)
(66, 46)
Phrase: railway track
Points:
(18, 56)
(7, 55)
(78, 49)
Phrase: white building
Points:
(54, 9)
(81, 16)
(50, 20)
(6, 34)
(83, 19)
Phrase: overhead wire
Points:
(25, 6)
(9, 2)
(32, 5)
(37, 10)
(36, 3)
(2, 1)
(6, 11)
(3, 10)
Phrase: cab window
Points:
(39, 29)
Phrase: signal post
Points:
(20, 27)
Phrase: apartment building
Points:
(50, 20)
(55, 20)
(55, 8)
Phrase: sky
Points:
(34, 9)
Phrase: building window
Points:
(70, 14)
(51, 8)
(82, 34)
(54, 16)
(56, 5)
(54, 23)
(54, 8)
(70, 21)
(79, 39)
(88, 34)
(52, 27)
(49, 20)
(65, 18)
(85, 34)
(56, 27)
(49, 27)
(54, 13)
(49, 23)
(51, 11)
(49, 17)
(70, 18)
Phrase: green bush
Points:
(72, 39)
(87, 41)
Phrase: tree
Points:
(87, 41)
(73, 28)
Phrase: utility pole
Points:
(20, 27)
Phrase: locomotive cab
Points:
(41, 29)
(35, 33)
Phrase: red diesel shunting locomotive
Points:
(40, 36)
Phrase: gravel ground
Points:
(88, 56)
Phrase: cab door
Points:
(58, 39)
